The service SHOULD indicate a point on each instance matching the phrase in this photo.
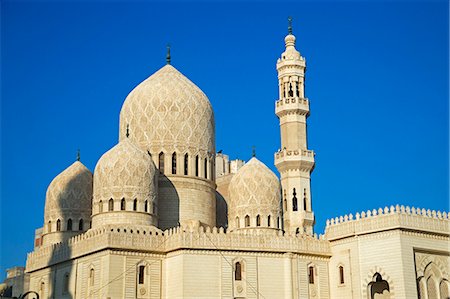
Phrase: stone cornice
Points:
(155, 242)
(389, 218)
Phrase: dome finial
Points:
(290, 25)
(253, 151)
(78, 155)
(128, 131)
(168, 54)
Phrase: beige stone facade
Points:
(173, 219)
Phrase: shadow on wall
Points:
(221, 211)
(168, 203)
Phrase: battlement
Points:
(152, 240)
(398, 217)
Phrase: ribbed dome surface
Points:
(127, 172)
(254, 190)
(69, 194)
(167, 112)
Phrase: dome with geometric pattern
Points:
(124, 180)
(254, 197)
(69, 196)
(168, 113)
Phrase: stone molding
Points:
(152, 240)
(398, 217)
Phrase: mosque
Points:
(165, 216)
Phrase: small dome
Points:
(167, 112)
(69, 195)
(254, 191)
(124, 173)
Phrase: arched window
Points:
(258, 220)
(304, 199)
(196, 165)
(146, 206)
(237, 222)
(294, 201)
(431, 288)
(186, 164)
(297, 89)
(58, 225)
(268, 221)
(42, 290)
(284, 200)
(341, 275)
(291, 93)
(379, 286)
(161, 162)
(111, 205)
(237, 271)
(80, 225)
(69, 224)
(100, 206)
(66, 283)
(135, 204)
(311, 274)
(49, 226)
(141, 274)
(444, 289)
(278, 222)
(91, 277)
(205, 166)
(247, 220)
(174, 163)
(122, 204)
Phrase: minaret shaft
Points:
(294, 161)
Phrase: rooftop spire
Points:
(78, 155)
(290, 25)
(168, 54)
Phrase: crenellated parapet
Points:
(152, 240)
(388, 218)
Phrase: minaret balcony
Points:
(292, 105)
(301, 159)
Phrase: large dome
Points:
(254, 197)
(125, 180)
(168, 113)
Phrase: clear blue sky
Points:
(377, 81)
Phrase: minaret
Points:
(294, 161)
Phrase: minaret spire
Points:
(294, 161)
(289, 25)
(78, 155)
(168, 54)
(253, 151)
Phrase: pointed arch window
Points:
(258, 220)
(205, 166)
(135, 204)
(174, 163)
(186, 164)
(49, 226)
(196, 165)
(237, 271)
(66, 283)
(297, 89)
(146, 206)
(69, 224)
(268, 221)
(141, 274)
(278, 222)
(42, 290)
(100, 206)
(304, 199)
(81, 225)
(247, 220)
(294, 201)
(58, 225)
(122, 204)
(341, 275)
(291, 92)
(91, 277)
(111, 205)
(237, 222)
(311, 274)
(161, 162)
